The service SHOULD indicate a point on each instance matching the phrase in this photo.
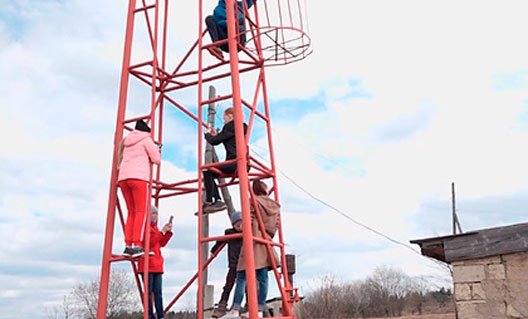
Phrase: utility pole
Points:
(210, 156)
(456, 222)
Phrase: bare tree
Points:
(323, 301)
(388, 288)
(64, 311)
(120, 296)
(417, 295)
(355, 294)
(387, 292)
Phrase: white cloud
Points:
(435, 107)
(429, 78)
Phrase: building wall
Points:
(492, 288)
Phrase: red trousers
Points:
(135, 194)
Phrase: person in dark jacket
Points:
(233, 251)
(158, 239)
(213, 201)
(217, 25)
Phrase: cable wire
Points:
(340, 212)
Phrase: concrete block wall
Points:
(276, 308)
(492, 288)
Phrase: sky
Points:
(398, 100)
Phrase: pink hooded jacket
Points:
(139, 151)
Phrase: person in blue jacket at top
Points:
(217, 25)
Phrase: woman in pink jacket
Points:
(136, 154)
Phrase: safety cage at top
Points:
(279, 28)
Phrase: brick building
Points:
(490, 270)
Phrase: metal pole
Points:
(456, 222)
(453, 207)
(118, 136)
(146, 228)
(200, 301)
(247, 236)
(286, 305)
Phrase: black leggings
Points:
(229, 283)
(218, 33)
(211, 189)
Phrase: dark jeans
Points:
(211, 189)
(155, 283)
(262, 288)
(229, 283)
(217, 33)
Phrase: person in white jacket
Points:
(137, 152)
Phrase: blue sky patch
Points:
(14, 26)
(522, 118)
(356, 91)
(286, 110)
(354, 167)
(510, 80)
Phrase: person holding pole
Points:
(213, 201)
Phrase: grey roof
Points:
(476, 244)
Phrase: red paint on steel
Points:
(279, 40)
(112, 200)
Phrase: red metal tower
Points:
(276, 35)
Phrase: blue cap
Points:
(236, 217)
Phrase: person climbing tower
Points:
(269, 211)
(217, 26)
(213, 201)
(137, 152)
(233, 252)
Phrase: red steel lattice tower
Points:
(157, 74)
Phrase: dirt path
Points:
(441, 316)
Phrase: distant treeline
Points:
(387, 292)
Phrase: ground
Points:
(438, 316)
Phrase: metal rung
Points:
(145, 8)
(217, 99)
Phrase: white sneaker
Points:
(231, 314)
(246, 315)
